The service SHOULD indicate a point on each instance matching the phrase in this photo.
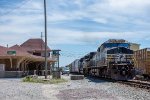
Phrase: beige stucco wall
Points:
(134, 46)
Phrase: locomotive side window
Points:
(111, 45)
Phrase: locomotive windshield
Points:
(111, 45)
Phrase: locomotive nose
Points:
(120, 58)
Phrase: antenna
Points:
(42, 35)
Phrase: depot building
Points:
(25, 59)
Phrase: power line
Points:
(72, 54)
(19, 6)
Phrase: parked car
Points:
(65, 70)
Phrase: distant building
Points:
(21, 60)
(134, 46)
(36, 47)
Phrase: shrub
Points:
(35, 79)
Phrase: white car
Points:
(65, 70)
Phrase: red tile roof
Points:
(34, 45)
(29, 45)
(20, 51)
(3, 50)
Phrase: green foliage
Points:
(30, 78)
(39, 80)
(56, 81)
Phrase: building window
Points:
(37, 54)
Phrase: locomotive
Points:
(113, 59)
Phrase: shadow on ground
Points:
(98, 79)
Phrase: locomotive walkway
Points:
(87, 89)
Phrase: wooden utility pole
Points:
(45, 17)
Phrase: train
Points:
(113, 59)
(75, 66)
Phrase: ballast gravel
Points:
(87, 89)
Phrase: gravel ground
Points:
(87, 89)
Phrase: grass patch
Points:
(39, 80)
(56, 81)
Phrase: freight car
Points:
(142, 62)
(74, 66)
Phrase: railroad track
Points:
(133, 83)
(138, 84)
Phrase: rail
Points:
(136, 83)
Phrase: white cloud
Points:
(61, 36)
(127, 4)
(122, 6)
(100, 20)
(32, 5)
(28, 20)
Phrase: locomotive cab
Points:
(116, 56)
(120, 64)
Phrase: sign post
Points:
(11, 52)
(56, 72)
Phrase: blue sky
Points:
(75, 26)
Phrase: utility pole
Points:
(41, 42)
(45, 17)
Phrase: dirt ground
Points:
(87, 89)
